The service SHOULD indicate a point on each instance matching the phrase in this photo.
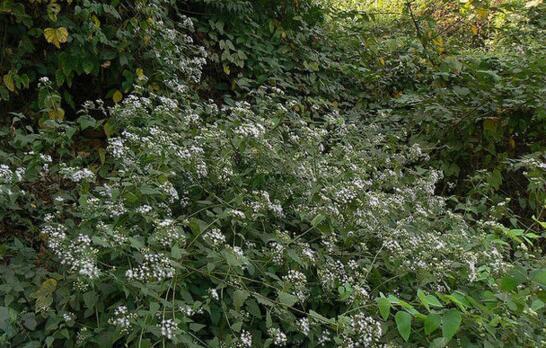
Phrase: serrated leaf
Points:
(43, 295)
(90, 299)
(239, 297)
(56, 36)
(87, 122)
(403, 324)
(287, 299)
(176, 252)
(320, 317)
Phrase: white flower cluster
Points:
(77, 175)
(122, 318)
(279, 338)
(213, 293)
(297, 282)
(244, 340)
(214, 237)
(168, 233)
(69, 317)
(6, 175)
(277, 252)
(190, 311)
(251, 130)
(77, 254)
(154, 267)
(362, 331)
(304, 326)
(168, 328)
(262, 204)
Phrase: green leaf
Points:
(384, 307)
(29, 321)
(264, 300)
(540, 277)
(432, 323)
(320, 317)
(317, 220)
(176, 252)
(508, 283)
(90, 298)
(239, 297)
(87, 122)
(4, 318)
(88, 66)
(438, 342)
(403, 323)
(253, 308)
(428, 300)
(287, 299)
(195, 327)
(451, 321)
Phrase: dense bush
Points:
(268, 174)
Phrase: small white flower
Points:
(168, 328)
(279, 338)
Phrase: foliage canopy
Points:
(302, 173)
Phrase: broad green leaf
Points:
(317, 220)
(384, 307)
(403, 324)
(428, 300)
(451, 321)
(539, 276)
(432, 323)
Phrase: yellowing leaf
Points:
(117, 96)
(512, 143)
(381, 61)
(483, 13)
(533, 3)
(439, 43)
(140, 73)
(53, 10)
(474, 30)
(227, 70)
(56, 114)
(8, 81)
(96, 21)
(56, 36)
(44, 294)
